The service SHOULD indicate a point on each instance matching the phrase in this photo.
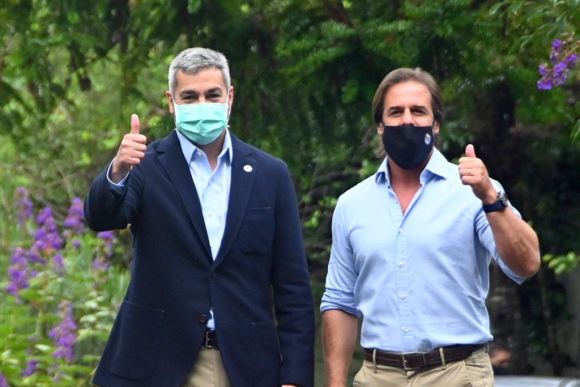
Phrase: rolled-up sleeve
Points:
(342, 276)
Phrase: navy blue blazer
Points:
(258, 285)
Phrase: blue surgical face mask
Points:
(202, 122)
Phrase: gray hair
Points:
(193, 60)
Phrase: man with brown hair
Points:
(411, 250)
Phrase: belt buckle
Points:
(412, 353)
(207, 333)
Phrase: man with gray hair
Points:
(220, 293)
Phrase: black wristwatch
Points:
(501, 203)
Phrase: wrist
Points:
(490, 197)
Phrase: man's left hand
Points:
(473, 173)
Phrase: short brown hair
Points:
(408, 75)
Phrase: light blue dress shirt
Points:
(419, 280)
(213, 190)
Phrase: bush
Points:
(58, 299)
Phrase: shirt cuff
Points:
(118, 185)
(332, 300)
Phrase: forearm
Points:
(339, 333)
(104, 208)
(516, 242)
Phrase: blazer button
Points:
(202, 318)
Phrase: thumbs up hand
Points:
(131, 151)
(474, 173)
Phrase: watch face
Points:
(503, 199)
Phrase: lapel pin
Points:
(248, 168)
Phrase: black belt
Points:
(407, 360)
(209, 339)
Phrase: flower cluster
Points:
(75, 219)
(23, 205)
(19, 272)
(46, 238)
(108, 237)
(64, 334)
(3, 381)
(563, 58)
(31, 367)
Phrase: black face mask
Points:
(407, 145)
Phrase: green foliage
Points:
(32, 311)
(562, 263)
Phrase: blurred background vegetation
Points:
(305, 72)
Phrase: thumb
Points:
(469, 151)
(135, 124)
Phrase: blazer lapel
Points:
(243, 172)
(177, 168)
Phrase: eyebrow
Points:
(420, 108)
(194, 93)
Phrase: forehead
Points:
(407, 94)
(205, 79)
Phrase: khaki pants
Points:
(208, 370)
(475, 371)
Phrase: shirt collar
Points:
(437, 165)
(189, 149)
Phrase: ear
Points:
(231, 100)
(170, 102)
(380, 129)
(436, 128)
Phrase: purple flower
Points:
(561, 73)
(560, 67)
(543, 70)
(24, 205)
(18, 272)
(100, 264)
(31, 368)
(45, 214)
(106, 235)
(75, 218)
(3, 381)
(557, 45)
(34, 256)
(108, 238)
(571, 59)
(58, 262)
(46, 238)
(76, 243)
(64, 334)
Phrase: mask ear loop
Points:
(174, 110)
(229, 110)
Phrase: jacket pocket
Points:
(137, 341)
(256, 235)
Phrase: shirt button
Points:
(406, 329)
(211, 245)
(400, 231)
(402, 296)
(202, 318)
(401, 263)
(209, 213)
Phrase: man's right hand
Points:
(130, 153)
